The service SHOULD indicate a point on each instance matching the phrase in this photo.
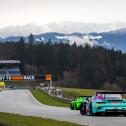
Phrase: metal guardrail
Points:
(60, 98)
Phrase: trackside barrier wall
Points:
(55, 96)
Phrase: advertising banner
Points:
(17, 77)
(28, 77)
(5, 77)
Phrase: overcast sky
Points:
(21, 12)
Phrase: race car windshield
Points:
(113, 96)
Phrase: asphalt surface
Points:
(22, 102)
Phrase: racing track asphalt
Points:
(22, 102)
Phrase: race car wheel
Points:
(83, 108)
(71, 107)
(90, 113)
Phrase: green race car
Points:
(105, 103)
(76, 103)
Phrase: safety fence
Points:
(53, 94)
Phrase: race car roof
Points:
(111, 92)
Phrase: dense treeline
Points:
(72, 65)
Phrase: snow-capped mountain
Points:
(114, 39)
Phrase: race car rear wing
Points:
(110, 92)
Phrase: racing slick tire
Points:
(71, 107)
(83, 108)
(90, 113)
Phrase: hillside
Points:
(113, 39)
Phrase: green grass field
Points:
(48, 100)
(67, 92)
(18, 120)
(74, 92)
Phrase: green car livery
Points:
(76, 103)
(105, 103)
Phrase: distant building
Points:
(10, 67)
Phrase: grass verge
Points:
(74, 92)
(48, 100)
(18, 120)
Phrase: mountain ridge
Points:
(114, 39)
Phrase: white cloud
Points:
(107, 44)
(63, 27)
(83, 40)
(20, 12)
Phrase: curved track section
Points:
(22, 102)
